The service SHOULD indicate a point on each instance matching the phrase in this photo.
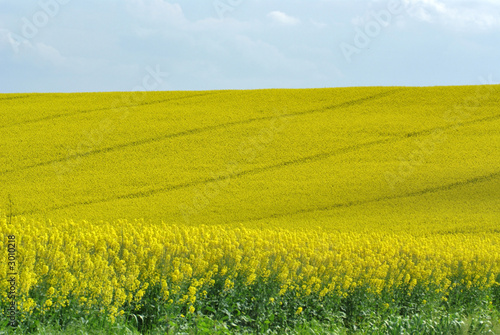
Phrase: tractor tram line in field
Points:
(195, 131)
(19, 97)
(303, 160)
(198, 130)
(299, 161)
(57, 116)
(440, 188)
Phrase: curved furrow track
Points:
(283, 164)
(435, 189)
(196, 131)
(62, 115)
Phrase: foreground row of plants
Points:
(246, 310)
(179, 278)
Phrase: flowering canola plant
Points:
(115, 268)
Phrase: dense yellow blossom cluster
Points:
(106, 266)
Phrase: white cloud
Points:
(283, 18)
(39, 54)
(18, 44)
(461, 15)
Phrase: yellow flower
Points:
(299, 310)
(139, 295)
(251, 279)
(228, 284)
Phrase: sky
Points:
(130, 45)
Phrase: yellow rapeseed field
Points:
(105, 267)
(190, 203)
